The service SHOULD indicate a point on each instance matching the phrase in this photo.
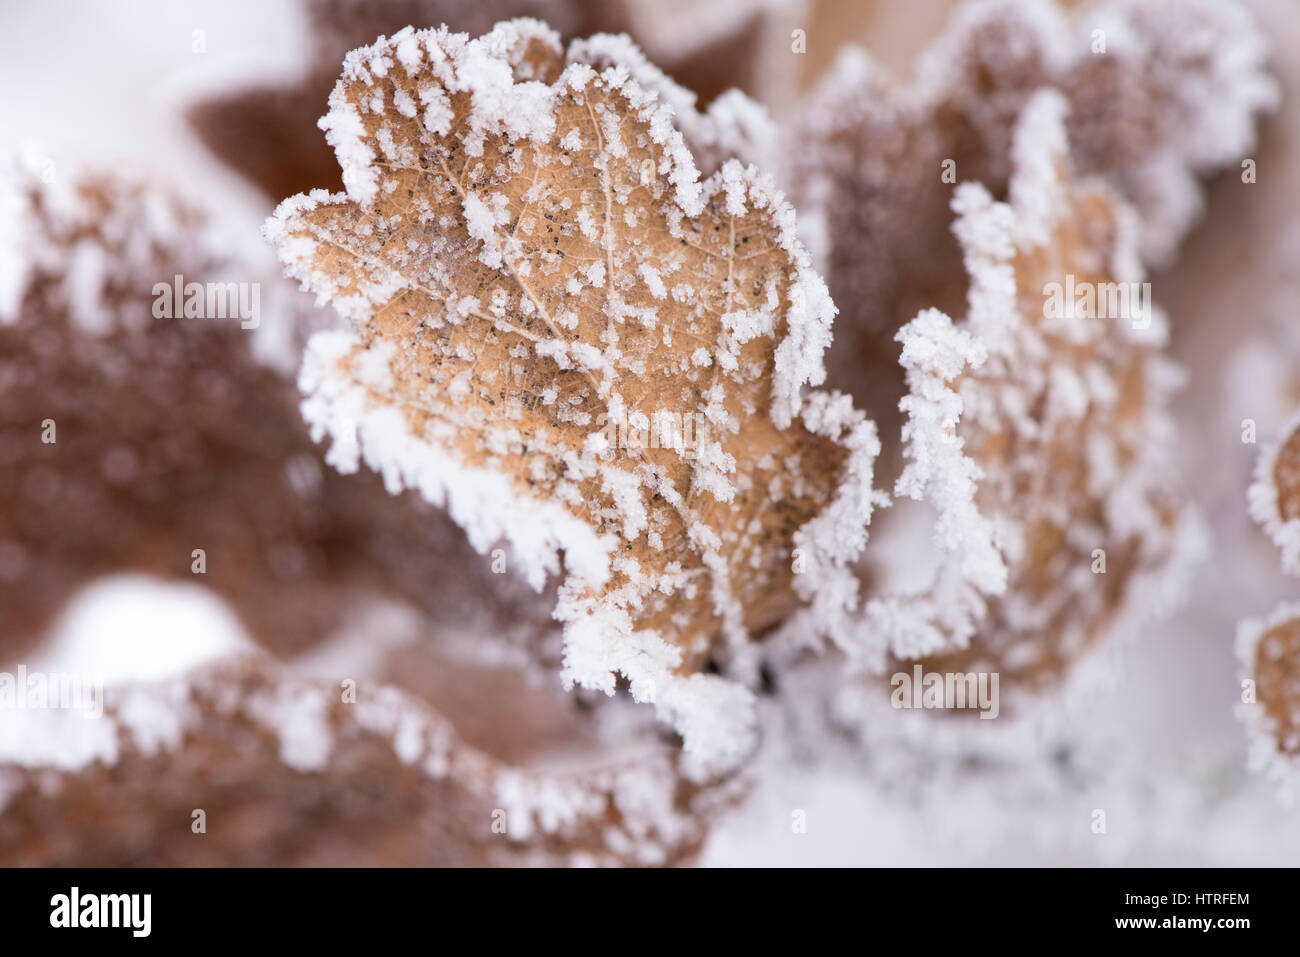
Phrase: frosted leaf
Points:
(710, 47)
(1037, 434)
(528, 248)
(872, 160)
(1268, 651)
(292, 776)
(1174, 95)
(1274, 495)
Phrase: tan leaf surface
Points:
(529, 257)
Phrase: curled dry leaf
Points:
(171, 434)
(1037, 430)
(286, 773)
(577, 345)
(1173, 95)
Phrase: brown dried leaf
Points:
(171, 435)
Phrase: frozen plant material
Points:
(1161, 92)
(1037, 430)
(1274, 495)
(286, 773)
(134, 443)
(529, 256)
(1269, 651)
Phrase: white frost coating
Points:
(300, 719)
(809, 311)
(100, 243)
(499, 103)
(362, 428)
(654, 282)
(1037, 191)
(1192, 75)
(934, 352)
(482, 67)
(1212, 62)
(345, 132)
(833, 539)
(733, 126)
(1262, 498)
(1265, 758)
(1233, 86)
(714, 716)
(482, 220)
(97, 244)
(1039, 28)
